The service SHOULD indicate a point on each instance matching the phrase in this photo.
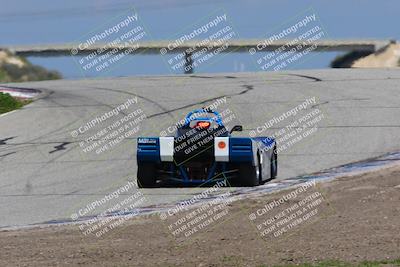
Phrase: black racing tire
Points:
(274, 164)
(248, 175)
(146, 175)
(261, 178)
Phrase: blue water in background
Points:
(50, 22)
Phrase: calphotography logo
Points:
(200, 140)
(110, 211)
(290, 44)
(197, 214)
(108, 130)
(200, 44)
(104, 49)
(217, 104)
(291, 127)
(295, 208)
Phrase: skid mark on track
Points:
(340, 100)
(166, 111)
(133, 94)
(4, 141)
(5, 155)
(60, 147)
(320, 104)
(316, 79)
(247, 89)
(212, 77)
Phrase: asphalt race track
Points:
(45, 174)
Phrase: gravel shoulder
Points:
(357, 220)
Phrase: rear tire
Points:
(146, 175)
(274, 164)
(248, 175)
(260, 164)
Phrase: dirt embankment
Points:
(357, 219)
(18, 69)
(387, 58)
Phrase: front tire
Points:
(146, 175)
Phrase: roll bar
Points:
(217, 117)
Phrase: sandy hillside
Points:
(388, 58)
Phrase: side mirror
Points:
(236, 128)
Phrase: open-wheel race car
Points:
(203, 151)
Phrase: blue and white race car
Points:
(203, 151)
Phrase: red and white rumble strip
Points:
(20, 92)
